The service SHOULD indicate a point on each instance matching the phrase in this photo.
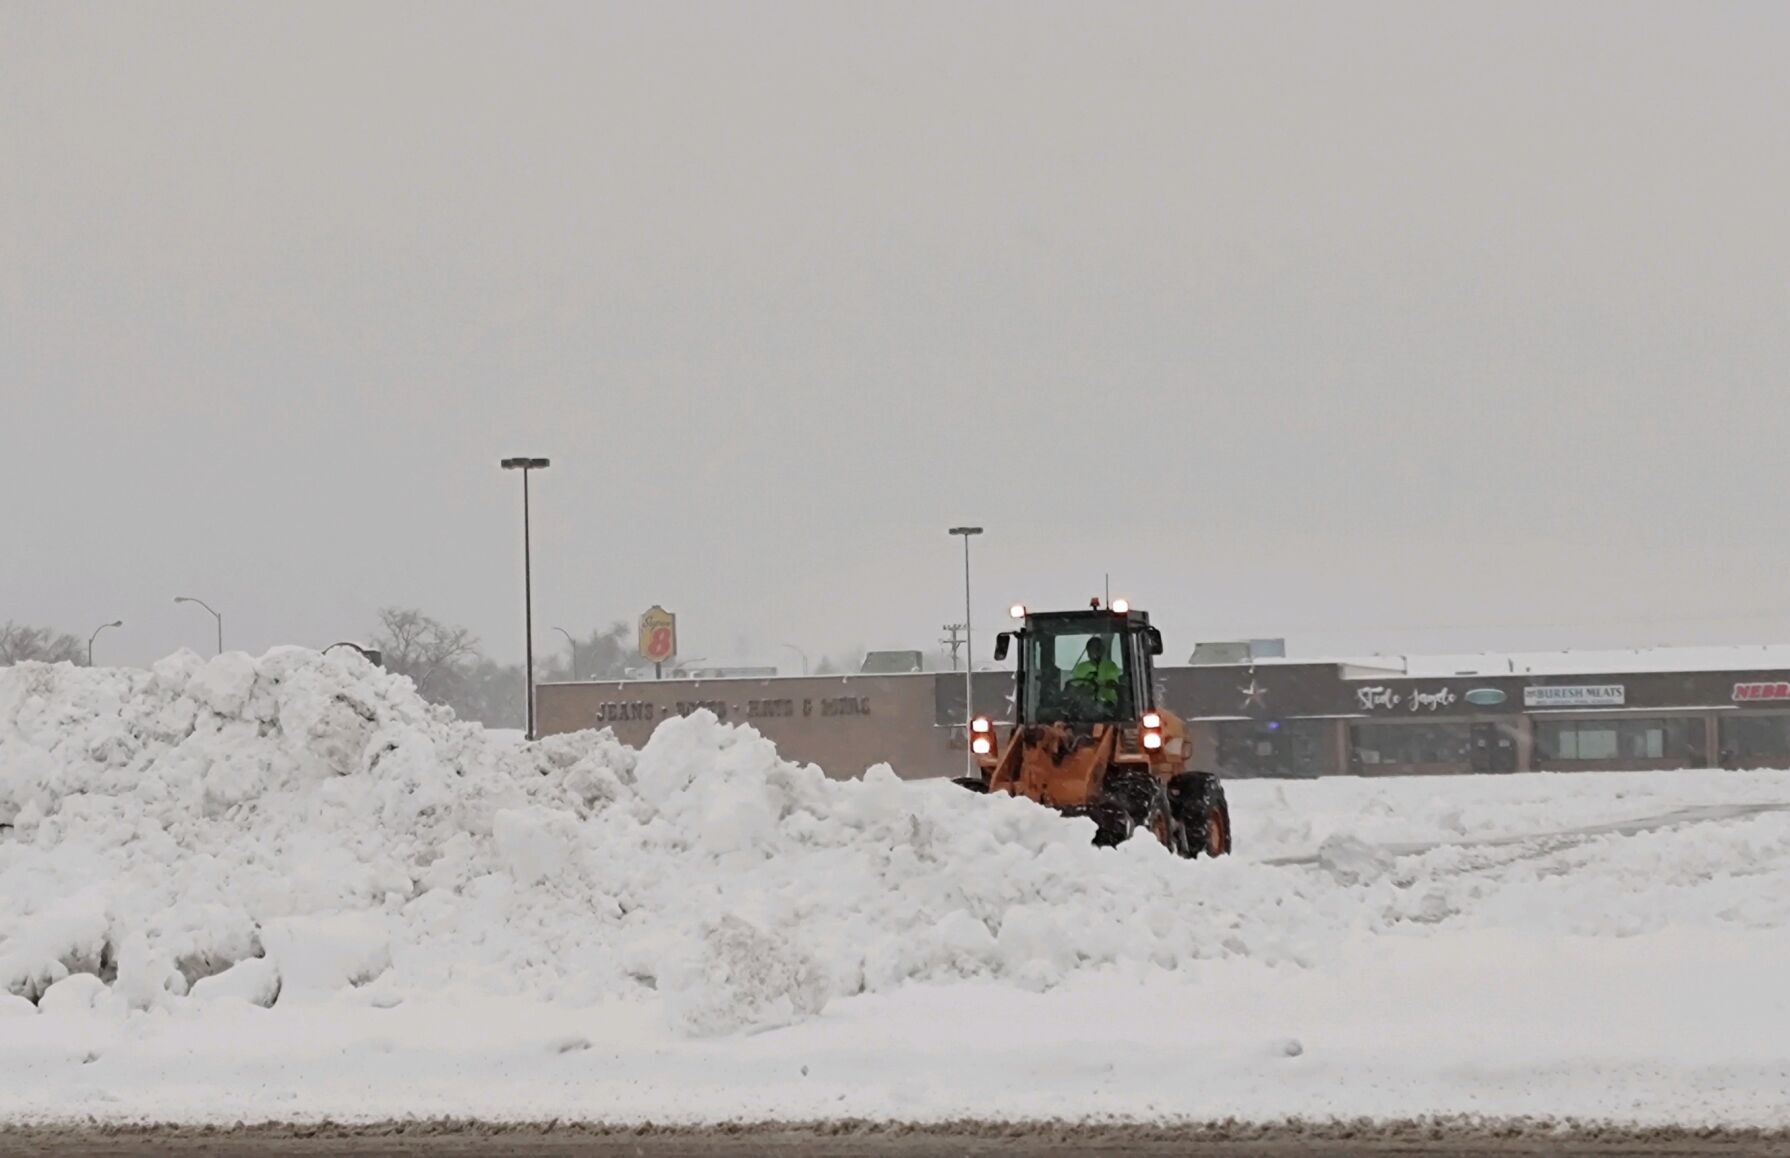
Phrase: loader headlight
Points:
(1121, 606)
(980, 724)
(1152, 740)
(981, 745)
(1017, 611)
(1152, 720)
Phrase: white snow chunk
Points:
(1352, 861)
(327, 952)
(741, 978)
(535, 844)
(224, 683)
(76, 993)
(256, 981)
(70, 936)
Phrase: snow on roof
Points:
(1750, 657)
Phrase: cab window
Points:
(1053, 657)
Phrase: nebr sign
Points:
(658, 635)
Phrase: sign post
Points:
(658, 638)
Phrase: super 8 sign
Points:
(658, 635)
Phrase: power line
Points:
(952, 640)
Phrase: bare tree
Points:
(19, 643)
(491, 693)
(432, 653)
(605, 654)
(445, 663)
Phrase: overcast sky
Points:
(1380, 326)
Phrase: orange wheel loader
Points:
(1089, 738)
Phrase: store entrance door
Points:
(1494, 748)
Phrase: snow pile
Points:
(302, 824)
(260, 887)
(242, 832)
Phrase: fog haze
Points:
(1387, 326)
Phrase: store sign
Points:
(1575, 696)
(1379, 697)
(1432, 701)
(1755, 692)
(825, 708)
(1485, 697)
(658, 635)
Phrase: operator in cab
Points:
(1098, 676)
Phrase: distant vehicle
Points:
(1089, 739)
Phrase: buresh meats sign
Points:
(1575, 696)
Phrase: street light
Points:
(528, 596)
(574, 644)
(801, 653)
(214, 615)
(969, 647)
(95, 635)
(371, 654)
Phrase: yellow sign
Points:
(658, 635)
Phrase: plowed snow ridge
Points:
(250, 828)
(169, 825)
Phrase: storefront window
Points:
(1281, 748)
(1371, 745)
(1632, 739)
(1750, 741)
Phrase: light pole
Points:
(801, 653)
(528, 594)
(371, 654)
(95, 635)
(969, 648)
(214, 615)
(574, 644)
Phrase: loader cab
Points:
(1053, 644)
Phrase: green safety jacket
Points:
(1101, 678)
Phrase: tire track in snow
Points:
(1561, 839)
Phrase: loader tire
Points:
(1134, 790)
(1142, 799)
(973, 783)
(1170, 833)
(1199, 801)
(1215, 839)
(1113, 823)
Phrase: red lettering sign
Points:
(1768, 690)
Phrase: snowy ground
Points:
(284, 888)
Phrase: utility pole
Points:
(952, 640)
(528, 588)
(969, 663)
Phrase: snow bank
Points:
(256, 860)
(312, 813)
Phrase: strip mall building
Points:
(1665, 708)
